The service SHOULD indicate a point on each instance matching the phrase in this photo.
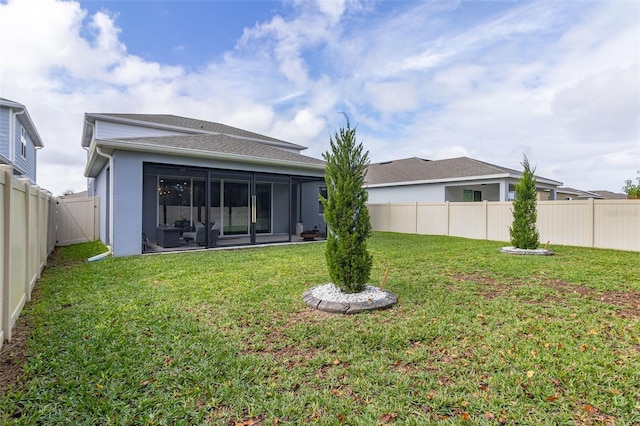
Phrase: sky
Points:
(557, 81)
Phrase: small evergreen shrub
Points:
(523, 232)
(345, 212)
(632, 189)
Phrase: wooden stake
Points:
(384, 280)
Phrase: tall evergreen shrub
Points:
(345, 212)
(524, 234)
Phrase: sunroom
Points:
(180, 204)
(174, 183)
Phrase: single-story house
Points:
(567, 193)
(19, 139)
(411, 180)
(163, 179)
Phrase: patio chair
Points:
(191, 233)
(214, 232)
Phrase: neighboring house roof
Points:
(608, 195)
(579, 193)
(417, 170)
(81, 194)
(598, 195)
(28, 123)
(184, 124)
(206, 146)
(571, 191)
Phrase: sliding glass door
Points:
(272, 197)
(235, 215)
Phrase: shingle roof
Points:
(199, 125)
(418, 169)
(608, 195)
(211, 144)
(600, 194)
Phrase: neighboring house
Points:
(566, 193)
(608, 195)
(81, 194)
(19, 139)
(414, 179)
(156, 173)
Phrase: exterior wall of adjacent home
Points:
(489, 191)
(436, 192)
(12, 132)
(451, 191)
(128, 184)
(4, 132)
(27, 163)
(565, 196)
(407, 193)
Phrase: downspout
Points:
(110, 189)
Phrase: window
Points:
(322, 190)
(23, 140)
(471, 195)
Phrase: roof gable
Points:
(25, 120)
(189, 125)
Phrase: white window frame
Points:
(23, 140)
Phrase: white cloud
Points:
(604, 106)
(556, 80)
(392, 96)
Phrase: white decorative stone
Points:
(333, 294)
(534, 252)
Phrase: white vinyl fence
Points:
(77, 220)
(29, 220)
(27, 237)
(612, 224)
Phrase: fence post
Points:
(3, 216)
(26, 186)
(388, 217)
(448, 204)
(7, 171)
(486, 219)
(591, 222)
(415, 228)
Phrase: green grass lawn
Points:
(223, 337)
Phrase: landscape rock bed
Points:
(530, 252)
(330, 298)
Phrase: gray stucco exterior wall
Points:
(127, 203)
